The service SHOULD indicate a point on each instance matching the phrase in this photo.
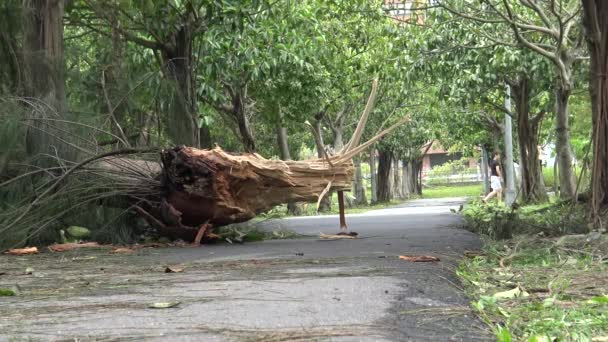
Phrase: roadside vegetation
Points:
(542, 274)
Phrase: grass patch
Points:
(550, 219)
(541, 289)
(453, 191)
(541, 275)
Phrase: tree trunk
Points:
(242, 120)
(385, 162)
(292, 207)
(484, 170)
(183, 125)
(215, 187)
(359, 187)
(532, 185)
(325, 204)
(405, 180)
(45, 75)
(414, 168)
(373, 176)
(398, 184)
(564, 150)
(596, 25)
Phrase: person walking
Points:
(495, 179)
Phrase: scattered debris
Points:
(22, 251)
(513, 293)
(63, 247)
(165, 305)
(84, 258)
(122, 250)
(472, 254)
(419, 258)
(29, 270)
(336, 236)
(173, 269)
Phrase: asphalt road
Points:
(281, 290)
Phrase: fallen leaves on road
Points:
(173, 270)
(63, 247)
(166, 305)
(22, 251)
(419, 258)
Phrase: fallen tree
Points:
(192, 190)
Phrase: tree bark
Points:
(373, 175)
(183, 125)
(414, 168)
(564, 150)
(325, 204)
(596, 27)
(484, 170)
(358, 185)
(292, 207)
(385, 162)
(45, 75)
(404, 180)
(532, 184)
(398, 184)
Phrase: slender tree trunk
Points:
(385, 161)
(325, 205)
(373, 175)
(404, 180)
(564, 150)
(45, 75)
(417, 175)
(359, 187)
(532, 185)
(292, 207)
(242, 120)
(282, 139)
(183, 125)
(484, 170)
(596, 25)
(398, 184)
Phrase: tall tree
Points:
(596, 26)
(45, 74)
(548, 29)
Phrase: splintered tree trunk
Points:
(372, 175)
(564, 150)
(596, 24)
(45, 75)
(212, 186)
(359, 187)
(385, 161)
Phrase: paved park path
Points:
(302, 289)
